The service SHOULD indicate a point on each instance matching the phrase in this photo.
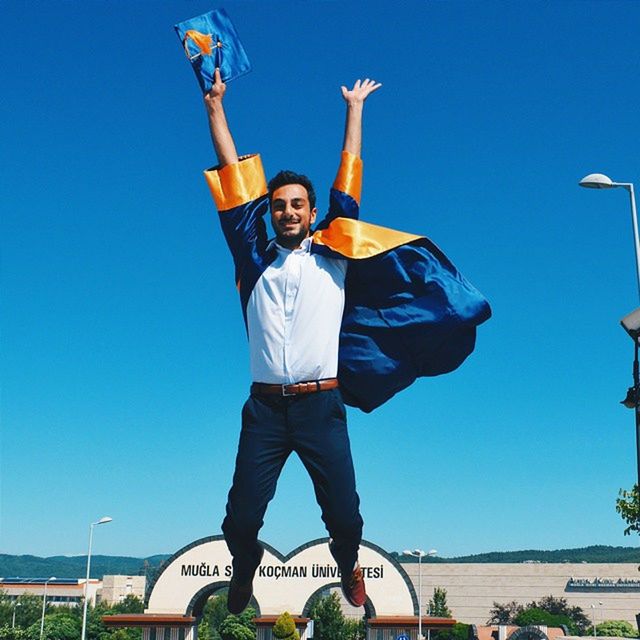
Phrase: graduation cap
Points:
(211, 41)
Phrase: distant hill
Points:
(593, 554)
(76, 566)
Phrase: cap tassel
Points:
(203, 41)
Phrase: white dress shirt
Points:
(294, 315)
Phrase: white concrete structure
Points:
(177, 597)
(282, 583)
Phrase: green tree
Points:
(549, 610)
(214, 612)
(628, 506)
(118, 634)
(233, 628)
(28, 610)
(59, 625)
(130, 604)
(579, 622)
(328, 618)
(204, 630)
(6, 608)
(247, 618)
(9, 633)
(534, 615)
(616, 628)
(96, 629)
(504, 613)
(285, 627)
(438, 604)
(459, 631)
(354, 629)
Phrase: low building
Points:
(116, 588)
(59, 591)
(608, 591)
(70, 591)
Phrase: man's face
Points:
(291, 215)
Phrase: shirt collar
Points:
(305, 246)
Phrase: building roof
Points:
(429, 622)
(148, 620)
(41, 581)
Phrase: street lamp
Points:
(104, 520)
(632, 400)
(44, 604)
(419, 553)
(593, 606)
(13, 619)
(600, 181)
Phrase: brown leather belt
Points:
(311, 386)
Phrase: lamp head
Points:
(597, 181)
(631, 324)
(630, 399)
(104, 520)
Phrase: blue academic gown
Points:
(408, 311)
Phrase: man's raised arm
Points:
(344, 201)
(238, 185)
(355, 102)
(220, 134)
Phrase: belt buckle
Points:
(284, 391)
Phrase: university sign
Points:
(577, 584)
(278, 571)
(282, 582)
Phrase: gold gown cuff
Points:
(349, 178)
(238, 183)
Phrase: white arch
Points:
(282, 582)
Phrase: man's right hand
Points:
(217, 91)
(220, 134)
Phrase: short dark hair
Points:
(290, 177)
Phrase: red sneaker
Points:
(353, 587)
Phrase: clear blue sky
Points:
(124, 358)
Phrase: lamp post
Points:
(600, 181)
(104, 520)
(419, 553)
(13, 618)
(44, 604)
(593, 606)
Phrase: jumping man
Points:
(293, 295)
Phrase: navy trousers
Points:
(314, 426)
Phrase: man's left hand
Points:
(360, 91)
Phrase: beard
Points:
(291, 238)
